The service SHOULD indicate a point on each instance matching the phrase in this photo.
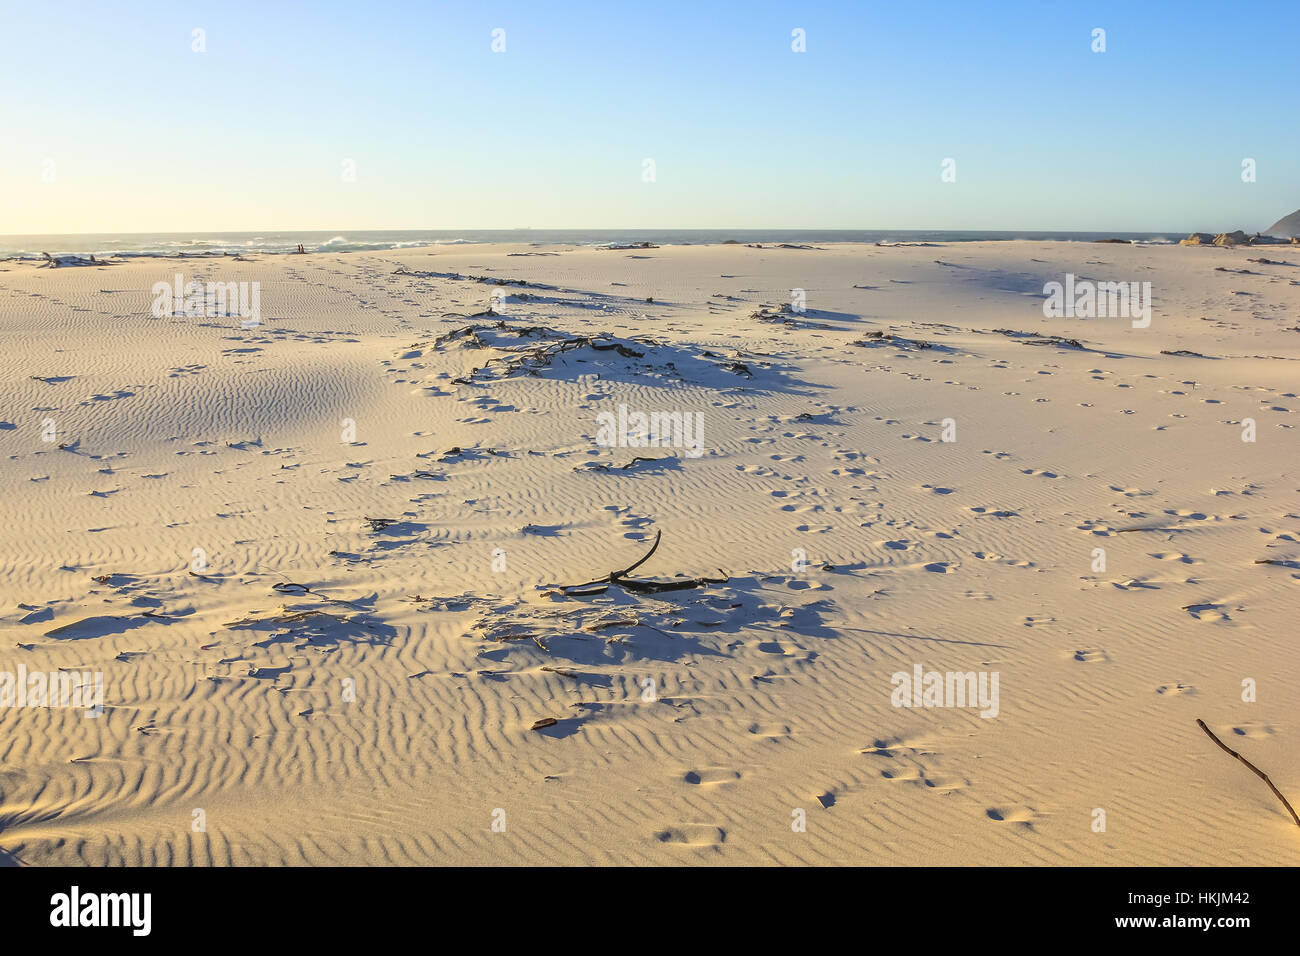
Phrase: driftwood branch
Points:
(1259, 773)
(648, 555)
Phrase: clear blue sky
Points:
(144, 134)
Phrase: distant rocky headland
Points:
(1288, 226)
(1285, 230)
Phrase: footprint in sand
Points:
(1134, 584)
(711, 777)
(1022, 816)
(1175, 688)
(1175, 556)
(1090, 656)
(913, 766)
(1098, 528)
(921, 777)
(1253, 730)
(1002, 559)
(693, 834)
(770, 731)
(1208, 612)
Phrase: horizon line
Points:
(341, 230)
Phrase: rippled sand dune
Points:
(319, 562)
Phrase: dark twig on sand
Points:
(1033, 338)
(601, 585)
(1259, 773)
(648, 555)
(604, 466)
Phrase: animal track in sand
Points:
(1176, 688)
(770, 731)
(1090, 656)
(1039, 472)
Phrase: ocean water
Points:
(227, 243)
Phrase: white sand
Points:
(771, 693)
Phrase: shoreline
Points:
(101, 248)
(633, 240)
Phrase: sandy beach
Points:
(322, 560)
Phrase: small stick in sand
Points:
(631, 584)
(1259, 773)
(648, 555)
